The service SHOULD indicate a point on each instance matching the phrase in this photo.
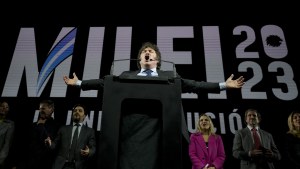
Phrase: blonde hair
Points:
(211, 128)
(292, 128)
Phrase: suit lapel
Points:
(202, 144)
(164, 73)
(211, 143)
(69, 130)
(3, 128)
(249, 138)
(262, 137)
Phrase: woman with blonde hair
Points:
(206, 149)
(292, 146)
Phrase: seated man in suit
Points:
(75, 142)
(140, 133)
(253, 146)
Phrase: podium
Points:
(117, 91)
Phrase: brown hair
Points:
(252, 110)
(50, 103)
(80, 105)
(155, 48)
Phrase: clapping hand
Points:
(85, 151)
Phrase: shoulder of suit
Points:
(216, 135)
(197, 134)
(168, 73)
(264, 131)
(85, 126)
(8, 121)
(66, 126)
(243, 130)
(129, 72)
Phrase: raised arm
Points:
(70, 81)
(238, 83)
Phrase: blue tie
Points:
(148, 72)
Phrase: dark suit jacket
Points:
(63, 141)
(7, 128)
(292, 151)
(39, 155)
(243, 143)
(187, 86)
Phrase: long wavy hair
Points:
(292, 128)
(211, 128)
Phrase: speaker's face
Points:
(148, 58)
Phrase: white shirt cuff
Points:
(78, 83)
(222, 85)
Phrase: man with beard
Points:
(39, 155)
(75, 143)
(253, 146)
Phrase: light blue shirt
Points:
(142, 73)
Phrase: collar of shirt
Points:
(250, 128)
(74, 127)
(142, 73)
(80, 124)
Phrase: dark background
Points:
(48, 19)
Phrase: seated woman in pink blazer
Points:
(206, 149)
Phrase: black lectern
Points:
(166, 90)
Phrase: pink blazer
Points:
(201, 156)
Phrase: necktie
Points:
(256, 138)
(148, 72)
(74, 144)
